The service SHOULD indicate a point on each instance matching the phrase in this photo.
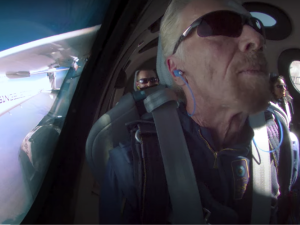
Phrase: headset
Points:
(178, 73)
(272, 108)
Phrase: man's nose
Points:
(250, 40)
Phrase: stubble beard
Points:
(250, 93)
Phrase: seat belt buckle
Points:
(207, 214)
(138, 136)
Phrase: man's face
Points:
(146, 78)
(229, 72)
(279, 89)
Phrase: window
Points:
(42, 55)
(295, 74)
(278, 25)
(267, 20)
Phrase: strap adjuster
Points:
(207, 214)
(138, 136)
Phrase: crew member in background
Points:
(145, 79)
(281, 96)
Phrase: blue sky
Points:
(266, 19)
(23, 21)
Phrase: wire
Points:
(281, 136)
(280, 125)
(273, 107)
(192, 96)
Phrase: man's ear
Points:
(172, 64)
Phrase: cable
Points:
(273, 107)
(281, 135)
(192, 96)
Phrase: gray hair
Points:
(170, 33)
(169, 26)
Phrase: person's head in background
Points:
(279, 88)
(146, 79)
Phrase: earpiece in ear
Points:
(177, 73)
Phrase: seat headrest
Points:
(110, 129)
(163, 73)
(107, 133)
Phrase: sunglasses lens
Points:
(257, 25)
(143, 81)
(153, 80)
(146, 80)
(220, 23)
(281, 86)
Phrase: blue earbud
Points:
(178, 73)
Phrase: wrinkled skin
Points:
(228, 76)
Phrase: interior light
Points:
(267, 20)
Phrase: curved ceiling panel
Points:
(278, 31)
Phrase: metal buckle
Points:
(207, 215)
(138, 136)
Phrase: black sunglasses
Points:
(280, 86)
(224, 23)
(146, 80)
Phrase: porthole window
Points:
(267, 20)
(295, 74)
(277, 24)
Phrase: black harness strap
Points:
(140, 107)
(156, 196)
(137, 168)
(149, 174)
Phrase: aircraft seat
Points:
(107, 133)
(110, 130)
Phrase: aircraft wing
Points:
(51, 54)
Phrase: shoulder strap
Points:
(180, 176)
(285, 169)
(295, 147)
(261, 203)
(261, 170)
(149, 175)
(286, 163)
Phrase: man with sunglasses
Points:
(145, 79)
(214, 53)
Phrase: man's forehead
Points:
(146, 73)
(198, 8)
